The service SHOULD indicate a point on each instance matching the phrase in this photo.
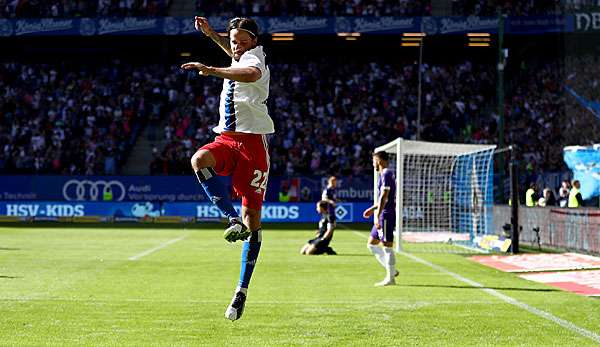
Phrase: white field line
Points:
(563, 323)
(472, 249)
(157, 248)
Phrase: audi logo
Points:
(92, 190)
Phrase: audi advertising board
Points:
(93, 188)
(164, 188)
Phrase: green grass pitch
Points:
(78, 286)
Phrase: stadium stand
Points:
(315, 8)
(508, 7)
(403, 8)
(82, 8)
(55, 118)
(314, 114)
(73, 119)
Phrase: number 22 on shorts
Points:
(260, 180)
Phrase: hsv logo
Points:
(343, 212)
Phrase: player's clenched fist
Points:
(201, 24)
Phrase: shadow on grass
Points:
(471, 287)
(10, 277)
(9, 249)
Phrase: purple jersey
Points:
(330, 193)
(387, 181)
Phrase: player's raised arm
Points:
(201, 24)
(239, 74)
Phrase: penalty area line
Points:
(157, 248)
(543, 314)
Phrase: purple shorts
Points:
(386, 233)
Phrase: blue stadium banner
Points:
(101, 188)
(458, 25)
(78, 209)
(530, 25)
(299, 25)
(377, 25)
(584, 161)
(271, 212)
(165, 188)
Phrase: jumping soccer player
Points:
(384, 217)
(320, 244)
(240, 150)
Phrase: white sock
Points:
(243, 290)
(378, 253)
(390, 262)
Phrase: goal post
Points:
(444, 190)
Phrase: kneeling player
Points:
(320, 244)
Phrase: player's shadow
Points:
(471, 287)
(9, 277)
(9, 249)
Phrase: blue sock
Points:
(215, 190)
(250, 250)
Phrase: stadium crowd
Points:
(508, 7)
(314, 8)
(82, 8)
(403, 8)
(329, 119)
(74, 119)
(384, 8)
(544, 117)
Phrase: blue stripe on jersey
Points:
(229, 108)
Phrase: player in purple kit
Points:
(384, 219)
(330, 192)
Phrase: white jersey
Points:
(243, 105)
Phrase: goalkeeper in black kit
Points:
(320, 244)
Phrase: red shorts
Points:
(245, 157)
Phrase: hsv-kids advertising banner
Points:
(271, 212)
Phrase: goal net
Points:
(444, 191)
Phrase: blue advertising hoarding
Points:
(299, 25)
(92, 188)
(165, 188)
(78, 209)
(271, 212)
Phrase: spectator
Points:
(531, 198)
(575, 199)
(547, 198)
(563, 193)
